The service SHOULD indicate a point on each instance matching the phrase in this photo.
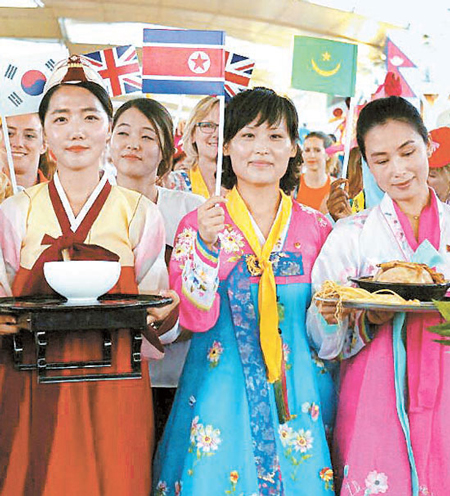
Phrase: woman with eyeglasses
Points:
(200, 141)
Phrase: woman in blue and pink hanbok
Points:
(254, 402)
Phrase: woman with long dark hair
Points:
(142, 151)
(392, 430)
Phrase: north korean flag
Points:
(183, 62)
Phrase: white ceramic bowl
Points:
(82, 281)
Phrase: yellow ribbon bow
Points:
(271, 344)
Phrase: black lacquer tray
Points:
(409, 291)
(27, 304)
(43, 316)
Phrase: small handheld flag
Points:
(395, 61)
(324, 66)
(183, 62)
(119, 67)
(22, 81)
(238, 71)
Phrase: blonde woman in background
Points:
(27, 147)
(200, 141)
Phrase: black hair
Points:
(161, 120)
(263, 105)
(381, 111)
(94, 88)
(326, 138)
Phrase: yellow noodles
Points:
(333, 291)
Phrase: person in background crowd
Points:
(314, 186)
(349, 200)
(27, 146)
(142, 150)
(179, 161)
(5, 187)
(47, 164)
(392, 432)
(439, 162)
(343, 202)
(334, 164)
(253, 403)
(93, 438)
(200, 141)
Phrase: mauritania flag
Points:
(119, 67)
(183, 62)
(22, 81)
(325, 66)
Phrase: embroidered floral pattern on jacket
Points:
(296, 444)
(257, 388)
(205, 440)
(214, 354)
(200, 280)
(184, 244)
(322, 222)
(376, 483)
(234, 478)
(286, 353)
(161, 489)
(311, 408)
(232, 241)
(326, 474)
(178, 486)
(318, 362)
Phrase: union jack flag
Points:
(238, 71)
(119, 67)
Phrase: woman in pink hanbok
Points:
(392, 434)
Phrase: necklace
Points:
(411, 216)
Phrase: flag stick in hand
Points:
(220, 144)
(12, 174)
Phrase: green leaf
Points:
(441, 329)
(442, 341)
(444, 308)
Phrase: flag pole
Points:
(220, 144)
(178, 113)
(12, 174)
(348, 136)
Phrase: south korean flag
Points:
(22, 81)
